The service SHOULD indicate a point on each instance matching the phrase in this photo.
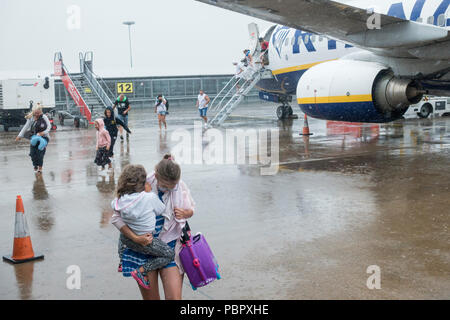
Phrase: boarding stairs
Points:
(89, 92)
(99, 91)
(230, 96)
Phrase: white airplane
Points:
(352, 61)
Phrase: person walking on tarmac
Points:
(123, 107)
(111, 124)
(164, 98)
(202, 105)
(36, 129)
(161, 109)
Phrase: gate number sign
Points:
(125, 87)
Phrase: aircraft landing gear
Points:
(284, 111)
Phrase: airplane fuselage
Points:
(292, 52)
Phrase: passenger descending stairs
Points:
(224, 107)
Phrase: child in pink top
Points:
(103, 145)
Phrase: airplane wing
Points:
(342, 22)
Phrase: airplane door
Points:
(254, 36)
(447, 18)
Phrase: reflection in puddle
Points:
(39, 189)
(106, 184)
(24, 277)
(42, 206)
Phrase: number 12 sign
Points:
(125, 87)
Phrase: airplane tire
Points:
(76, 122)
(425, 111)
(290, 112)
(281, 112)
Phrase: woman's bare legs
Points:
(153, 292)
(162, 119)
(159, 121)
(172, 283)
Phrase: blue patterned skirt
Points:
(131, 260)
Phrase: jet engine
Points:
(356, 91)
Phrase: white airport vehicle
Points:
(434, 106)
(18, 96)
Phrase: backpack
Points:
(167, 103)
(39, 125)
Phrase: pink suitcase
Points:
(198, 260)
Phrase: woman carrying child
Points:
(138, 209)
(36, 129)
(166, 183)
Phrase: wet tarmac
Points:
(347, 197)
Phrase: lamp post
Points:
(129, 24)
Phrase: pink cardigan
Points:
(103, 138)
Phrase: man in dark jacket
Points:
(123, 107)
(111, 123)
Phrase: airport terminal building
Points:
(142, 91)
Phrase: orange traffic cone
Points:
(23, 249)
(305, 131)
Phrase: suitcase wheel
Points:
(193, 288)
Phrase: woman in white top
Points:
(202, 105)
(161, 110)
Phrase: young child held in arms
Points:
(137, 210)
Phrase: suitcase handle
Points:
(185, 234)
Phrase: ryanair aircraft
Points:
(359, 61)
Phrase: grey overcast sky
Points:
(170, 37)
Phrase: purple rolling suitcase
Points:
(197, 259)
